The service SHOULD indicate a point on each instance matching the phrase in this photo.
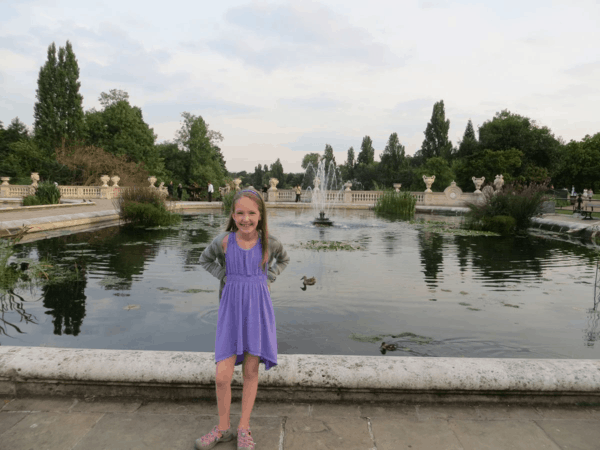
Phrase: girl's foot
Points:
(244, 439)
(214, 437)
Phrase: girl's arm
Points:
(209, 260)
(281, 261)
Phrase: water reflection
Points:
(432, 258)
(12, 302)
(65, 302)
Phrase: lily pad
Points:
(464, 304)
(464, 293)
(166, 289)
(195, 291)
(473, 309)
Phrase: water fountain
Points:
(325, 179)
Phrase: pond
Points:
(429, 294)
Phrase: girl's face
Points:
(246, 216)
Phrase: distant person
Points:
(170, 189)
(590, 194)
(180, 191)
(298, 190)
(573, 193)
(211, 189)
(246, 331)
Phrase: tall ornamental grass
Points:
(517, 201)
(46, 194)
(396, 203)
(145, 206)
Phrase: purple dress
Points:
(246, 319)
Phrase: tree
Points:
(202, 163)
(175, 160)
(277, 172)
(367, 152)
(511, 131)
(436, 142)
(580, 165)
(393, 160)
(120, 129)
(487, 163)
(58, 112)
(114, 96)
(348, 167)
(310, 158)
(257, 178)
(469, 144)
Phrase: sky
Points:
(282, 79)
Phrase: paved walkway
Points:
(54, 423)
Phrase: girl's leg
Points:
(250, 372)
(224, 375)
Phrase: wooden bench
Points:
(587, 215)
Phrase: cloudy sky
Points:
(281, 79)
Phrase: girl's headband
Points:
(251, 190)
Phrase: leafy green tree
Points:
(511, 131)
(580, 165)
(175, 161)
(257, 178)
(487, 163)
(367, 152)
(277, 172)
(310, 158)
(348, 167)
(437, 166)
(469, 144)
(436, 142)
(114, 96)
(393, 160)
(58, 112)
(120, 129)
(203, 163)
(366, 176)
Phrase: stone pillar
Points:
(428, 182)
(4, 189)
(348, 192)
(272, 192)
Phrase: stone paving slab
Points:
(55, 423)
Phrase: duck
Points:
(389, 347)
(308, 281)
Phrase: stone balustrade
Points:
(88, 192)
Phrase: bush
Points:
(48, 193)
(144, 206)
(396, 203)
(228, 200)
(503, 225)
(31, 200)
(514, 200)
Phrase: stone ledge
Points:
(43, 207)
(159, 374)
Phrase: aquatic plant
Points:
(46, 194)
(396, 203)
(145, 206)
(520, 202)
(328, 245)
(228, 200)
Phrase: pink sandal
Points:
(244, 439)
(211, 439)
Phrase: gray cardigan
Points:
(213, 259)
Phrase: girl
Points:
(242, 258)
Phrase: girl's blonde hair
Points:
(263, 229)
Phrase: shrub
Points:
(517, 201)
(503, 225)
(144, 206)
(396, 203)
(31, 200)
(228, 200)
(48, 193)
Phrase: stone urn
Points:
(115, 180)
(35, 177)
(348, 185)
(397, 186)
(478, 183)
(499, 182)
(316, 183)
(105, 179)
(273, 182)
(5, 180)
(237, 183)
(428, 182)
(152, 180)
